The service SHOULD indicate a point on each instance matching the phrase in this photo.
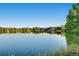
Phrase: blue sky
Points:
(31, 14)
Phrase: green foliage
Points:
(72, 25)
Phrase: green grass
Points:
(72, 50)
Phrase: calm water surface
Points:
(30, 44)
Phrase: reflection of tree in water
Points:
(72, 25)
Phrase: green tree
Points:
(72, 25)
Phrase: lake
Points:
(30, 44)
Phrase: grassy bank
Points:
(72, 50)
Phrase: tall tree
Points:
(72, 25)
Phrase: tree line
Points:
(34, 30)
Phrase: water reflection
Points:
(31, 43)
